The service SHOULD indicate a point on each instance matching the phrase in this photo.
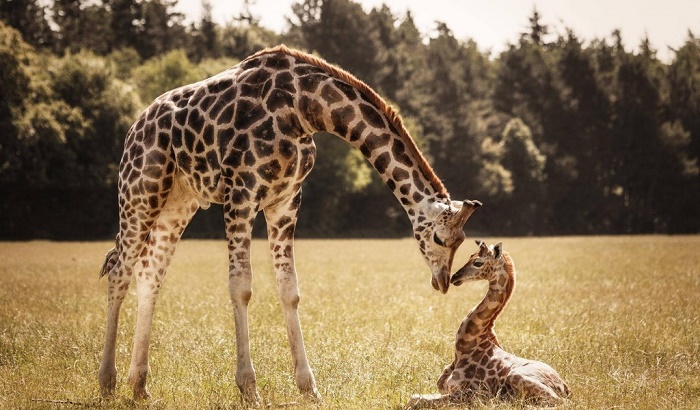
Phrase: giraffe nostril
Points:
(457, 279)
(435, 284)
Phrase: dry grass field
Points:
(618, 317)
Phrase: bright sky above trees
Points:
(494, 23)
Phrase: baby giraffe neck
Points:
(480, 321)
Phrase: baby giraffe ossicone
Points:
(481, 368)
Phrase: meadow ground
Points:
(616, 316)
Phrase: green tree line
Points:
(556, 135)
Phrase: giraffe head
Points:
(485, 264)
(439, 232)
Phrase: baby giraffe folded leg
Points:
(423, 401)
(537, 382)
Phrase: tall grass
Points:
(616, 316)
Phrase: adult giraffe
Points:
(243, 138)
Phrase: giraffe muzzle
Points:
(441, 281)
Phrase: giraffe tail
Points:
(110, 261)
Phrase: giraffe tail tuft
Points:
(110, 261)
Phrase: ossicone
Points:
(468, 208)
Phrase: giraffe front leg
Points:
(281, 222)
(423, 401)
(239, 233)
(240, 288)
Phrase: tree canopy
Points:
(556, 134)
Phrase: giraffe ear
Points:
(498, 250)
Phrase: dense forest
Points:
(556, 135)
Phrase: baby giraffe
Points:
(481, 368)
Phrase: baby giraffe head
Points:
(486, 264)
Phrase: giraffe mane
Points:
(374, 98)
(510, 270)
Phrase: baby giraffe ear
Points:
(498, 250)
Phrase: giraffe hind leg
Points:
(118, 270)
(239, 233)
(107, 374)
(149, 274)
(141, 199)
(530, 389)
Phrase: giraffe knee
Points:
(240, 295)
(287, 287)
(291, 300)
(288, 291)
(245, 295)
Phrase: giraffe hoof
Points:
(108, 381)
(251, 399)
(314, 395)
(141, 394)
(307, 384)
(421, 401)
(137, 379)
(245, 380)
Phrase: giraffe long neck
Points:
(329, 99)
(379, 135)
(480, 321)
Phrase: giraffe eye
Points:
(478, 264)
(437, 240)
